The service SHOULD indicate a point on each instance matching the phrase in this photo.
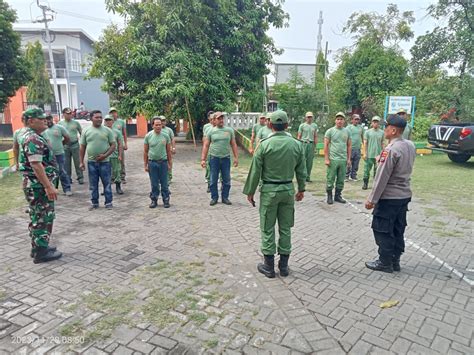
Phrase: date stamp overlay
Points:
(36, 339)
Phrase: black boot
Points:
(377, 265)
(166, 203)
(268, 266)
(366, 184)
(43, 255)
(33, 250)
(338, 197)
(283, 265)
(396, 263)
(118, 188)
(154, 203)
(330, 201)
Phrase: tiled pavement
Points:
(183, 280)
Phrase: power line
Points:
(84, 17)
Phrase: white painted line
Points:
(427, 253)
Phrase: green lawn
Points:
(11, 194)
(439, 184)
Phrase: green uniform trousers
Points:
(116, 170)
(71, 152)
(276, 205)
(336, 171)
(369, 163)
(122, 167)
(41, 216)
(309, 156)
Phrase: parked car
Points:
(455, 139)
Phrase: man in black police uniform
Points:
(390, 196)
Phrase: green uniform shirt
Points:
(35, 148)
(18, 135)
(119, 124)
(220, 139)
(277, 159)
(374, 138)
(55, 135)
(264, 132)
(97, 141)
(73, 129)
(338, 143)
(407, 132)
(118, 136)
(157, 145)
(206, 128)
(307, 131)
(355, 133)
(256, 128)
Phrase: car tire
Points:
(459, 158)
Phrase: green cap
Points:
(401, 110)
(112, 109)
(341, 114)
(108, 117)
(279, 117)
(33, 113)
(375, 118)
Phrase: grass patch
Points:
(157, 309)
(75, 328)
(198, 317)
(3, 295)
(11, 193)
(443, 233)
(211, 343)
(431, 212)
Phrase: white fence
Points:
(241, 120)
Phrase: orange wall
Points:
(142, 128)
(15, 106)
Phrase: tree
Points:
(39, 88)
(180, 54)
(14, 71)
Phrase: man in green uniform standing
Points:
(121, 125)
(167, 130)
(218, 143)
(373, 146)
(356, 133)
(56, 136)
(71, 149)
(275, 162)
(99, 142)
(158, 159)
(337, 156)
(408, 132)
(308, 134)
(116, 156)
(256, 127)
(264, 132)
(40, 174)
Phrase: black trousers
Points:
(389, 223)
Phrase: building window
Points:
(75, 60)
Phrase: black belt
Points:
(158, 161)
(308, 142)
(277, 182)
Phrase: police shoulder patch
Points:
(383, 156)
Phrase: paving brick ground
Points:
(183, 280)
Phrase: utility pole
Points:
(265, 98)
(326, 71)
(318, 45)
(45, 20)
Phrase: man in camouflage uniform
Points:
(120, 125)
(40, 175)
(167, 130)
(116, 156)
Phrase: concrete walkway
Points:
(184, 280)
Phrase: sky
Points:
(92, 17)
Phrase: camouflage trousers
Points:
(41, 216)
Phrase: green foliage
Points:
(387, 29)
(173, 53)
(422, 126)
(39, 87)
(14, 69)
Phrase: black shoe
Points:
(166, 203)
(268, 266)
(81, 182)
(208, 189)
(44, 255)
(154, 203)
(377, 265)
(109, 206)
(309, 180)
(33, 251)
(338, 197)
(366, 184)
(226, 201)
(330, 201)
(283, 265)
(118, 188)
(213, 202)
(93, 207)
(102, 193)
(396, 263)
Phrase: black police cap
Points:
(396, 121)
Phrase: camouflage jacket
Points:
(35, 148)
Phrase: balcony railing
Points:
(60, 73)
(50, 108)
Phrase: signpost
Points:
(395, 103)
